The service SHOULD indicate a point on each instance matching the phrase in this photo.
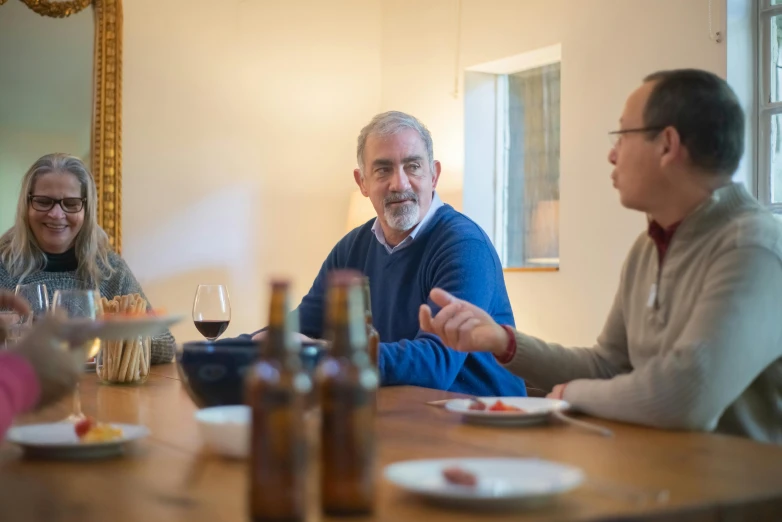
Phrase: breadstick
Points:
(134, 365)
(145, 360)
(130, 347)
(119, 352)
(123, 369)
(105, 360)
(140, 347)
(116, 359)
(111, 350)
(122, 354)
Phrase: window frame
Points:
(502, 174)
(765, 109)
(484, 147)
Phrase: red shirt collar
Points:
(662, 236)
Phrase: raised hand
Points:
(462, 326)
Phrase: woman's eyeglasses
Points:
(45, 203)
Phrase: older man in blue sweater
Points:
(415, 244)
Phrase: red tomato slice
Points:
(82, 427)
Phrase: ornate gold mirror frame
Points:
(106, 150)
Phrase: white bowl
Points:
(226, 430)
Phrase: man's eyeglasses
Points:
(45, 203)
(616, 136)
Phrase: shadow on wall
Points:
(240, 236)
(199, 241)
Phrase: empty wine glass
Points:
(78, 304)
(37, 297)
(211, 310)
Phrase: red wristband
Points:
(510, 351)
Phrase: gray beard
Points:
(402, 218)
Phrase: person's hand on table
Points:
(462, 326)
(558, 392)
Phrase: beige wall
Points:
(240, 120)
(607, 47)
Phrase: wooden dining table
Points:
(638, 474)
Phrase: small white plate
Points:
(536, 410)
(59, 441)
(121, 327)
(226, 429)
(500, 481)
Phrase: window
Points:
(770, 104)
(512, 124)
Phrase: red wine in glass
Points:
(211, 329)
(211, 310)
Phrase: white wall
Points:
(240, 120)
(607, 48)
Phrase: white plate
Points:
(501, 481)
(536, 410)
(226, 429)
(121, 328)
(59, 441)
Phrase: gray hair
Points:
(390, 123)
(19, 250)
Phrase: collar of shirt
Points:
(378, 230)
(661, 237)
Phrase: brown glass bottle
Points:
(277, 392)
(373, 337)
(347, 385)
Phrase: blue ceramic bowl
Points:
(213, 373)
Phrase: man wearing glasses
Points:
(694, 337)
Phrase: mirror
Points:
(60, 91)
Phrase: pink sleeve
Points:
(19, 388)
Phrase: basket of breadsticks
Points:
(123, 361)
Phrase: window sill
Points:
(532, 269)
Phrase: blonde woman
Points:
(56, 239)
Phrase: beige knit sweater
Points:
(695, 344)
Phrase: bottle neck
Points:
(280, 341)
(347, 324)
(281, 345)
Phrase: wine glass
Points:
(211, 310)
(37, 297)
(78, 304)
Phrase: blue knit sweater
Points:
(451, 253)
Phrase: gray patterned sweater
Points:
(121, 282)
